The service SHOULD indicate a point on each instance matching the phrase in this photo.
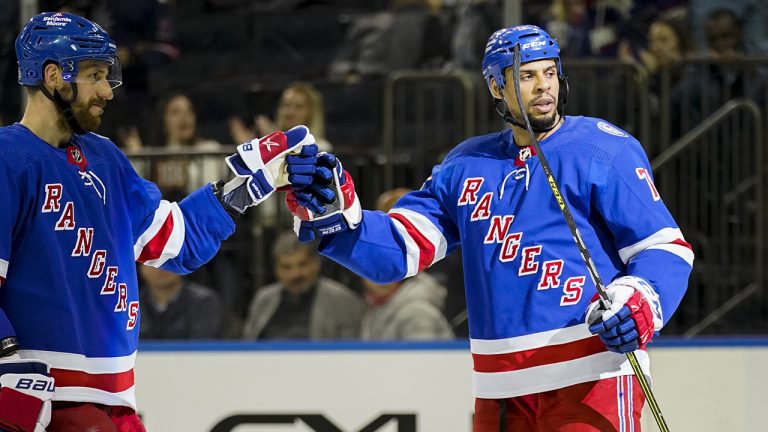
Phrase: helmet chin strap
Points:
(65, 107)
(502, 108)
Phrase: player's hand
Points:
(328, 205)
(260, 167)
(26, 389)
(631, 319)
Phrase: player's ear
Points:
(495, 90)
(52, 76)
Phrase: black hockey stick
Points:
(585, 255)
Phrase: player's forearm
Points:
(206, 225)
(374, 250)
(666, 272)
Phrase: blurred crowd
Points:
(202, 75)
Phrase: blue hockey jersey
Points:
(526, 285)
(73, 223)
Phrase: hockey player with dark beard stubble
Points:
(548, 356)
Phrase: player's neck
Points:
(43, 119)
(523, 138)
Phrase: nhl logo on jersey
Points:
(76, 157)
(525, 153)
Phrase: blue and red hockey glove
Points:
(26, 391)
(328, 205)
(634, 314)
(261, 166)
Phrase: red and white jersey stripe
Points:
(107, 380)
(544, 361)
(3, 270)
(425, 244)
(668, 239)
(163, 238)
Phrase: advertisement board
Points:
(391, 387)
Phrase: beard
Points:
(544, 122)
(81, 110)
(85, 119)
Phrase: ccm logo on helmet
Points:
(534, 44)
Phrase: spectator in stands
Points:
(724, 35)
(662, 64)
(302, 304)
(724, 78)
(300, 104)
(176, 129)
(410, 309)
(752, 16)
(408, 35)
(668, 46)
(175, 308)
(584, 28)
(475, 21)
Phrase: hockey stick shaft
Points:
(585, 255)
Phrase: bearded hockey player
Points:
(74, 219)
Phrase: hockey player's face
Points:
(540, 87)
(93, 92)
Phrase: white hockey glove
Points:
(632, 318)
(26, 390)
(260, 169)
(328, 205)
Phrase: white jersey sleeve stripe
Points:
(683, 252)
(428, 230)
(666, 235)
(412, 252)
(164, 237)
(159, 218)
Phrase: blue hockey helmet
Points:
(535, 44)
(65, 39)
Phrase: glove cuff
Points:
(354, 214)
(649, 294)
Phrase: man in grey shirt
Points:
(301, 304)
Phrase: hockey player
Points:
(539, 363)
(74, 219)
